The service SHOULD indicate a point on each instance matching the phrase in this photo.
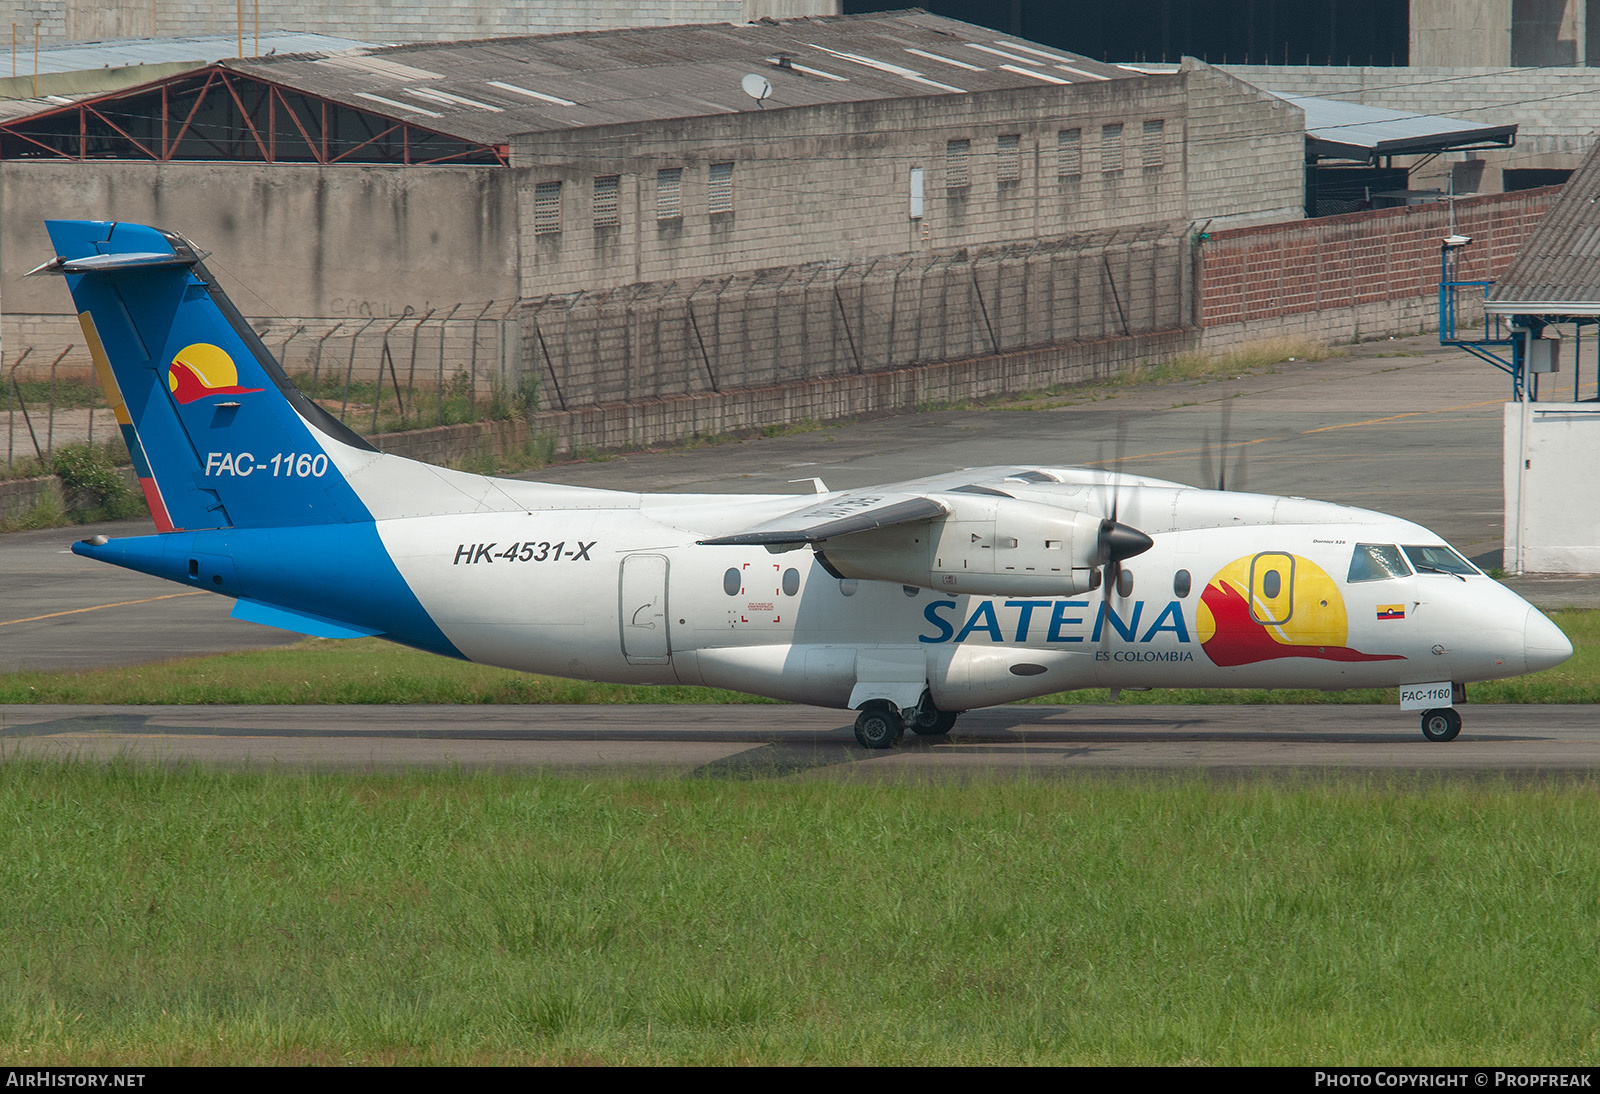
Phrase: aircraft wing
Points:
(859, 511)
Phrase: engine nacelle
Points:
(996, 546)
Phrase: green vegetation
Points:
(47, 512)
(362, 670)
(91, 482)
(369, 670)
(396, 407)
(66, 393)
(160, 916)
(1249, 358)
(94, 488)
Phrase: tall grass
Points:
(168, 916)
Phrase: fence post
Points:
(350, 367)
(377, 398)
(50, 427)
(316, 366)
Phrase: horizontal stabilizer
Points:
(844, 515)
(318, 626)
(107, 263)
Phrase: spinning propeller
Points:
(1117, 541)
(1221, 468)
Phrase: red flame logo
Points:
(203, 369)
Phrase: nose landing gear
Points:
(1441, 724)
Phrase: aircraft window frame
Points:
(732, 581)
(1182, 584)
(1441, 558)
(1275, 560)
(791, 582)
(1383, 568)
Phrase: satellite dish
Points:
(756, 86)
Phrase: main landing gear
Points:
(1441, 724)
(881, 724)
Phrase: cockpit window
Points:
(1438, 560)
(1377, 562)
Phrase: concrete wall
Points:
(380, 20)
(1461, 32)
(834, 183)
(306, 245)
(1355, 276)
(707, 413)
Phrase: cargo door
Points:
(642, 610)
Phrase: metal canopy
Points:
(1353, 131)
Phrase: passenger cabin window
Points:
(1438, 560)
(1181, 584)
(1376, 562)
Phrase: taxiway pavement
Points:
(765, 741)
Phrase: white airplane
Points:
(908, 603)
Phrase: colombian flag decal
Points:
(1391, 611)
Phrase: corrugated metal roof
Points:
(489, 89)
(1341, 130)
(1557, 270)
(197, 50)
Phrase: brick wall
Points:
(1347, 277)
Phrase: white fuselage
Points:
(618, 588)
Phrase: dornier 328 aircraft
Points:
(908, 603)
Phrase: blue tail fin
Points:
(218, 435)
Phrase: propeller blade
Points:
(1222, 458)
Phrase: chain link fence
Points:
(378, 375)
(803, 323)
(477, 361)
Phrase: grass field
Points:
(374, 671)
(169, 916)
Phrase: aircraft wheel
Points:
(879, 727)
(1441, 724)
(935, 723)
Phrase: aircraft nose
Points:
(1543, 644)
